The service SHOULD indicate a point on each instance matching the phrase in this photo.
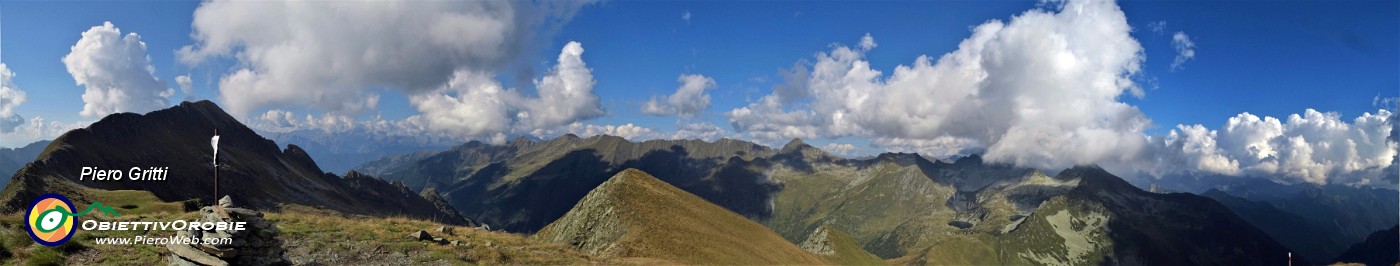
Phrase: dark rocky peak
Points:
(971, 159)
(899, 158)
(1080, 171)
(472, 145)
(1216, 193)
(520, 141)
(795, 144)
(565, 139)
(742, 143)
(1095, 178)
(202, 112)
(352, 174)
(603, 138)
(399, 184)
(430, 193)
(299, 155)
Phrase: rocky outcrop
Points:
(441, 205)
(819, 242)
(257, 244)
(838, 247)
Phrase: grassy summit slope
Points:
(636, 215)
(312, 236)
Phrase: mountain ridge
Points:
(1379, 248)
(634, 214)
(897, 206)
(12, 159)
(251, 168)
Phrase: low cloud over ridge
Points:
(1040, 90)
(1044, 90)
(434, 52)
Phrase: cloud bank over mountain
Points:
(443, 55)
(1046, 90)
(1040, 90)
(1312, 147)
(1051, 87)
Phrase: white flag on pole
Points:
(215, 142)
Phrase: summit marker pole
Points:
(215, 143)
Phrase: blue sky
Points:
(1264, 58)
(1270, 59)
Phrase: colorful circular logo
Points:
(50, 220)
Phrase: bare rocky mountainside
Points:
(250, 167)
(901, 207)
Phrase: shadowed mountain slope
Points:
(11, 159)
(1380, 248)
(251, 168)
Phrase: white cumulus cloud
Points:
(867, 42)
(939, 147)
(277, 120)
(186, 86)
(1312, 147)
(626, 131)
(1158, 27)
(475, 105)
(116, 72)
(1185, 50)
(10, 98)
(689, 99)
(839, 149)
(1040, 90)
(701, 131)
(335, 56)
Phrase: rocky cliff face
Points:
(250, 167)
